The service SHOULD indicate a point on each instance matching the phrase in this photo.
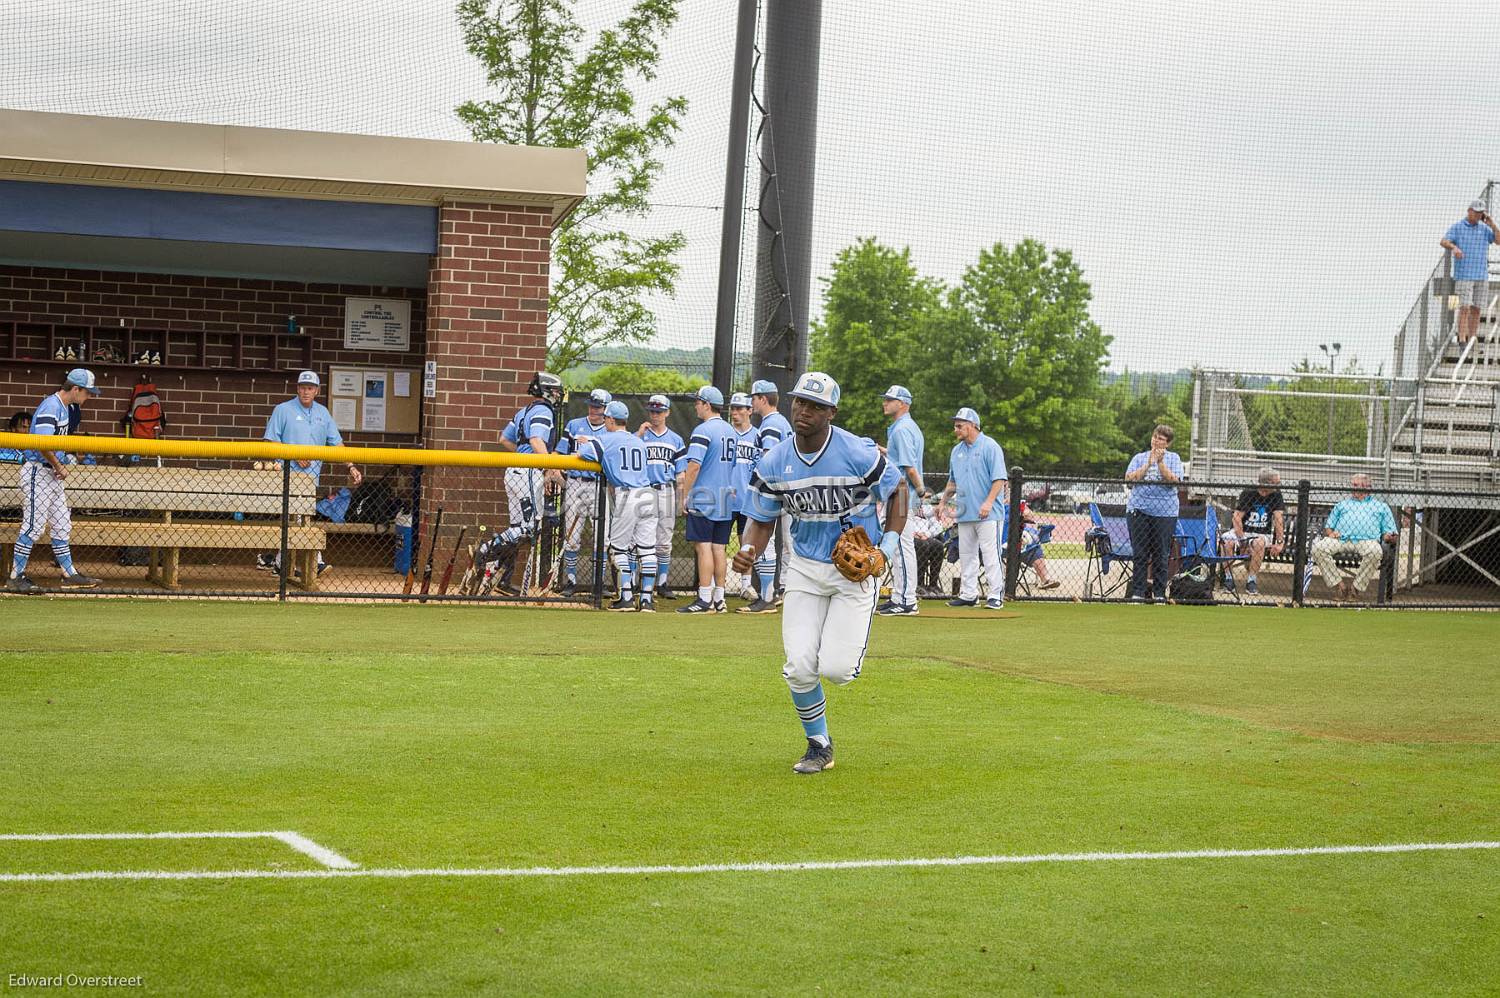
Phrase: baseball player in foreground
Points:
(632, 524)
(829, 481)
(44, 503)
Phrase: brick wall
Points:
(487, 331)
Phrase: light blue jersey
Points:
(712, 445)
(773, 429)
(292, 422)
(622, 455)
(825, 493)
(580, 427)
(974, 469)
(665, 455)
(747, 451)
(49, 420)
(905, 446)
(534, 420)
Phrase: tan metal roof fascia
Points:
(319, 164)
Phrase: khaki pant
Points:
(1326, 549)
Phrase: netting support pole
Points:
(601, 508)
(734, 195)
(1300, 541)
(286, 522)
(1012, 559)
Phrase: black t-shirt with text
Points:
(1258, 510)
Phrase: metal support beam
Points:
(734, 194)
(789, 164)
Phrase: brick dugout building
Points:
(201, 242)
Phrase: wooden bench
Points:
(103, 499)
(1317, 519)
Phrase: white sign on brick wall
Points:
(377, 324)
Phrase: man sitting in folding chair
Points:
(1259, 529)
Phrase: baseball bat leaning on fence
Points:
(416, 536)
(448, 572)
(437, 528)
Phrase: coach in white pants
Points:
(904, 447)
(976, 490)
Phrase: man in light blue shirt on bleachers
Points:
(976, 489)
(1469, 240)
(1359, 526)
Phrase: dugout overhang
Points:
(230, 200)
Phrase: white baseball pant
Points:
(633, 521)
(523, 491)
(904, 571)
(979, 550)
(666, 519)
(825, 623)
(580, 498)
(44, 504)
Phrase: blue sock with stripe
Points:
(64, 555)
(663, 566)
(21, 555)
(648, 574)
(767, 569)
(810, 708)
(622, 562)
(570, 565)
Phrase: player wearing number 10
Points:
(632, 522)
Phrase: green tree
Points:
(1014, 340)
(633, 379)
(553, 90)
(872, 303)
(1138, 408)
(1301, 423)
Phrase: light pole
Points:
(1332, 352)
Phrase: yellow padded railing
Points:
(259, 450)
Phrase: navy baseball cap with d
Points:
(82, 377)
(616, 410)
(711, 395)
(898, 393)
(967, 415)
(600, 397)
(764, 387)
(815, 386)
(658, 403)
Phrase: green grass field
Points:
(416, 738)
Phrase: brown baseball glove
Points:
(856, 558)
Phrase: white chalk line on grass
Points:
(844, 864)
(302, 844)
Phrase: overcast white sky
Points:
(1238, 183)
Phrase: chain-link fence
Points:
(1253, 543)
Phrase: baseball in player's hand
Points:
(744, 559)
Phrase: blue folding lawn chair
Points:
(1108, 545)
(1197, 537)
(1035, 536)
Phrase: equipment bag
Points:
(1192, 586)
(144, 419)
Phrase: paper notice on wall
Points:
(372, 416)
(402, 384)
(343, 413)
(346, 382)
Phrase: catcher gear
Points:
(546, 386)
(856, 558)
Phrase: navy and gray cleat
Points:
(817, 758)
(697, 606)
(648, 605)
(22, 584)
(759, 606)
(78, 581)
(994, 604)
(623, 605)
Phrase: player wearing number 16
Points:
(632, 522)
(829, 481)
